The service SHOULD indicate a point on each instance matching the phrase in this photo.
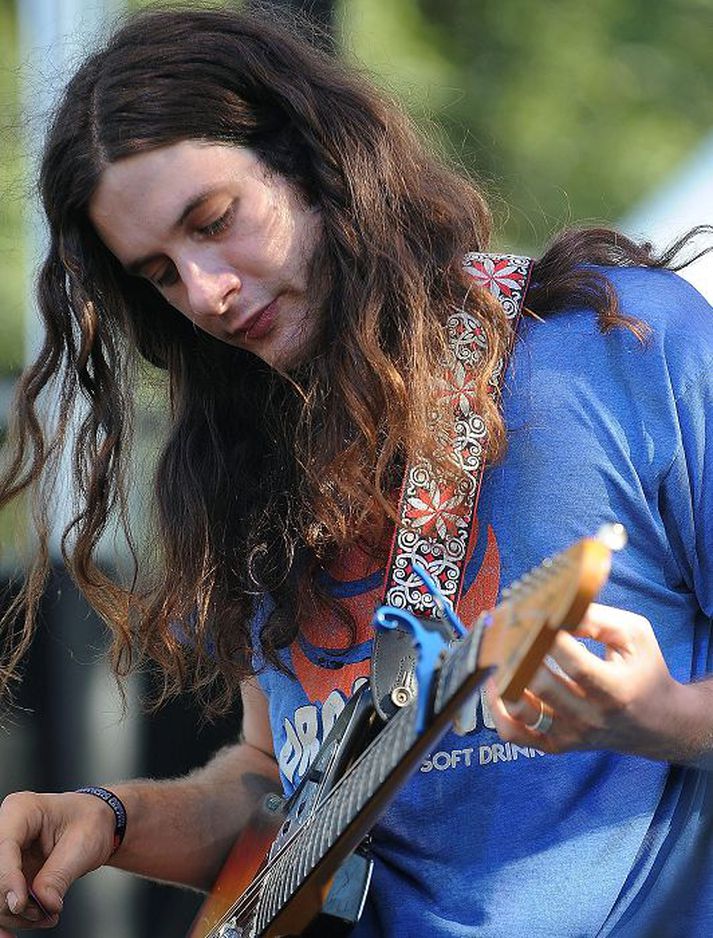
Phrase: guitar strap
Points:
(437, 519)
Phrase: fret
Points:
(330, 809)
(260, 917)
(276, 899)
(317, 844)
(280, 892)
(392, 751)
(357, 783)
(406, 733)
(393, 748)
(263, 914)
(300, 865)
(318, 848)
(291, 879)
(302, 855)
(372, 777)
(350, 802)
(287, 881)
(304, 862)
(334, 826)
(356, 798)
(371, 774)
(345, 799)
(274, 907)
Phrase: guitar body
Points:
(247, 856)
(301, 867)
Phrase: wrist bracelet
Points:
(116, 805)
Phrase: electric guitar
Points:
(301, 867)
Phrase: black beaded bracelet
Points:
(116, 805)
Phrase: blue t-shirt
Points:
(491, 839)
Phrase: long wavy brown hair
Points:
(262, 479)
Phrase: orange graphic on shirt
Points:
(327, 631)
(483, 593)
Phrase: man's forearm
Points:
(181, 830)
(694, 726)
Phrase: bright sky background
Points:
(685, 201)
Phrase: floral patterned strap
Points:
(436, 519)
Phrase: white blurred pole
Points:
(54, 36)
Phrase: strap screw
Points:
(273, 802)
(401, 695)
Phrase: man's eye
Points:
(219, 225)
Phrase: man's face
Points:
(227, 243)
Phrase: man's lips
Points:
(260, 323)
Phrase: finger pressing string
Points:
(35, 899)
(582, 667)
(617, 628)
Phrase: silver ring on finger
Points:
(543, 723)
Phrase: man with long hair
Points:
(236, 207)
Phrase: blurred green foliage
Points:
(567, 111)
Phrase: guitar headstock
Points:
(555, 595)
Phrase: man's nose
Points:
(210, 289)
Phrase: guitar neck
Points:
(511, 640)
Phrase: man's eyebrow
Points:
(135, 267)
